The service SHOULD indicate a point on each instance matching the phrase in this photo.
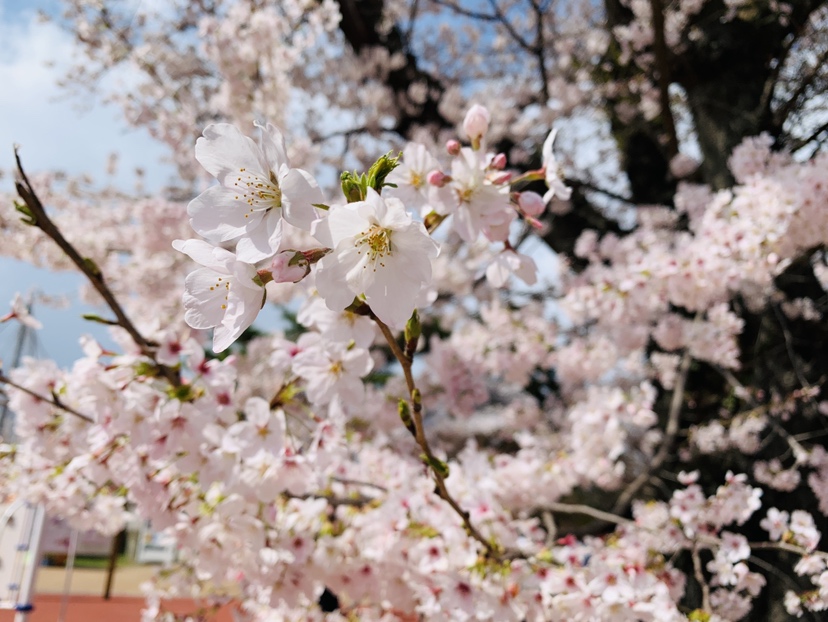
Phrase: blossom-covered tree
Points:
(631, 428)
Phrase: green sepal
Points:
(28, 217)
(353, 186)
(183, 392)
(145, 368)
(381, 169)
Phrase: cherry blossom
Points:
(257, 189)
(379, 252)
(224, 294)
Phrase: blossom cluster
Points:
(301, 464)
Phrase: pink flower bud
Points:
(437, 178)
(503, 178)
(499, 161)
(289, 267)
(476, 123)
(531, 203)
(453, 147)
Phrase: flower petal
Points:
(218, 214)
(263, 241)
(331, 284)
(224, 151)
(205, 254)
(345, 223)
(203, 298)
(392, 298)
(299, 192)
(273, 147)
(242, 308)
(361, 269)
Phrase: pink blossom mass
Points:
(508, 311)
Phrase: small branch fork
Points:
(670, 433)
(54, 400)
(42, 221)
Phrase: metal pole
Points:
(35, 531)
(67, 581)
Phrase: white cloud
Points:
(55, 135)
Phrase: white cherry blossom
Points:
(331, 369)
(257, 189)
(511, 262)
(222, 295)
(411, 178)
(478, 204)
(20, 312)
(379, 253)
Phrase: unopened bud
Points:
(437, 178)
(405, 415)
(289, 267)
(499, 161)
(413, 330)
(503, 178)
(476, 124)
(352, 187)
(453, 147)
(531, 203)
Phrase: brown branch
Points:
(670, 433)
(492, 551)
(793, 99)
(54, 400)
(786, 334)
(663, 68)
(86, 266)
(586, 510)
(699, 575)
(796, 145)
(540, 52)
(357, 482)
(355, 501)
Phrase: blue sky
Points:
(56, 133)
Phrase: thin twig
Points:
(697, 572)
(670, 433)
(786, 334)
(357, 482)
(663, 67)
(701, 539)
(492, 551)
(54, 401)
(355, 501)
(586, 510)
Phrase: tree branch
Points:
(86, 266)
(492, 551)
(670, 433)
(54, 400)
(663, 67)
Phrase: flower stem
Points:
(492, 551)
